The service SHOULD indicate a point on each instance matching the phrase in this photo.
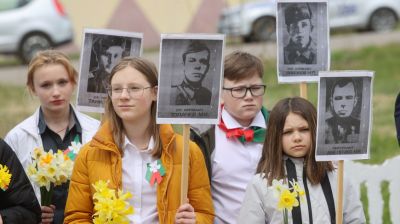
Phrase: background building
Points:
(150, 17)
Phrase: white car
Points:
(255, 21)
(27, 26)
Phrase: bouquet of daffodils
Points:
(287, 196)
(111, 208)
(49, 169)
(5, 177)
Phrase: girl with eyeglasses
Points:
(127, 145)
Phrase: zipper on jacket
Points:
(171, 164)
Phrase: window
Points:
(12, 4)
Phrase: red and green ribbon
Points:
(155, 172)
(253, 134)
(70, 152)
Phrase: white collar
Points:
(132, 144)
(231, 122)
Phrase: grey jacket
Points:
(260, 204)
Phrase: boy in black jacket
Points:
(18, 203)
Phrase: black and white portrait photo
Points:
(344, 114)
(107, 51)
(303, 40)
(101, 51)
(190, 78)
(196, 62)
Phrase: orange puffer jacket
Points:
(100, 160)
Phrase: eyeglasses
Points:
(240, 92)
(133, 91)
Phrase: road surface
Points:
(17, 75)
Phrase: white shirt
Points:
(134, 167)
(233, 166)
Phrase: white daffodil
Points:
(75, 147)
(278, 187)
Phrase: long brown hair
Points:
(149, 70)
(271, 162)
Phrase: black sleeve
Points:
(206, 143)
(397, 117)
(18, 203)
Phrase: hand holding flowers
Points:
(49, 169)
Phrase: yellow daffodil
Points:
(287, 196)
(110, 207)
(46, 159)
(298, 189)
(5, 177)
(32, 169)
(287, 200)
(37, 153)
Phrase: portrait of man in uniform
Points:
(106, 52)
(196, 63)
(301, 48)
(343, 126)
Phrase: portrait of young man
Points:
(106, 53)
(344, 125)
(301, 48)
(302, 40)
(102, 49)
(190, 76)
(344, 115)
(196, 63)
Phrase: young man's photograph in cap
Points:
(301, 48)
(107, 51)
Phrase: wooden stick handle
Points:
(303, 90)
(185, 163)
(339, 209)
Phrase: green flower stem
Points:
(46, 195)
(285, 216)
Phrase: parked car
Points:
(255, 21)
(28, 26)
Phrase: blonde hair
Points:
(50, 57)
(149, 71)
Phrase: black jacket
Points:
(18, 204)
(397, 116)
(204, 137)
